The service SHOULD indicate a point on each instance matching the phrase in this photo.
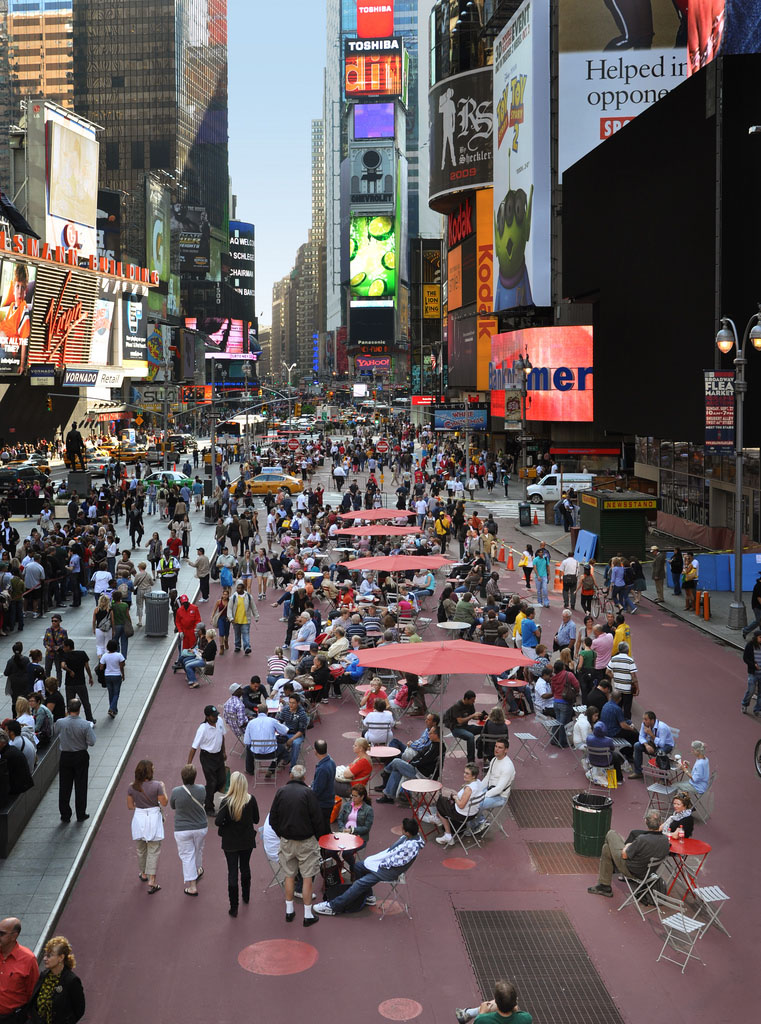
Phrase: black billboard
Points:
(108, 224)
(369, 327)
(461, 118)
(242, 265)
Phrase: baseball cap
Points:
(234, 687)
(184, 598)
(210, 710)
(655, 548)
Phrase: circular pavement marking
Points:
(279, 956)
(670, 625)
(328, 709)
(458, 863)
(391, 907)
(399, 1008)
(351, 735)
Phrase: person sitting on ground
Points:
(455, 810)
(601, 752)
(504, 1006)
(632, 856)
(385, 866)
(680, 817)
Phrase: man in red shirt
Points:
(174, 543)
(18, 970)
(186, 619)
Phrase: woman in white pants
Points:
(102, 624)
(146, 798)
(190, 827)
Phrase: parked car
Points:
(10, 475)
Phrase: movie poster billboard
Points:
(17, 280)
(522, 177)
(615, 60)
(192, 231)
(461, 119)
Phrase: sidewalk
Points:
(37, 877)
(558, 541)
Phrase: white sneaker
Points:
(324, 908)
(432, 819)
(202, 600)
(371, 901)
(445, 840)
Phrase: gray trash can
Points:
(156, 613)
(211, 511)
(524, 513)
(592, 815)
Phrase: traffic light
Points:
(297, 409)
(50, 404)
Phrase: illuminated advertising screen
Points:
(372, 362)
(62, 316)
(601, 90)
(102, 319)
(716, 29)
(560, 383)
(371, 329)
(136, 348)
(460, 114)
(191, 229)
(226, 333)
(157, 242)
(375, 18)
(372, 259)
(16, 295)
(522, 160)
(108, 226)
(373, 67)
(373, 120)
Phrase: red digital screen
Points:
(373, 67)
(375, 18)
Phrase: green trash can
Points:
(591, 822)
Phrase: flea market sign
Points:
(33, 249)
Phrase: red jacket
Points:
(186, 620)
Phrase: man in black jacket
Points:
(752, 659)
(426, 763)
(14, 766)
(755, 607)
(297, 818)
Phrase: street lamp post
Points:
(521, 366)
(289, 370)
(726, 340)
(247, 440)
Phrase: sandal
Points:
(190, 892)
(199, 875)
(152, 889)
(143, 878)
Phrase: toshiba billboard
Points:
(375, 19)
(560, 383)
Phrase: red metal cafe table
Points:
(510, 684)
(340, 842)
(421, 793)
(682, 849)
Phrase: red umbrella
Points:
(379, 531)
(444, 657)
(398, 563)
(377, 513)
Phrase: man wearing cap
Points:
(167, 569)
(202, 568)
(210, 740)
(234, 712)
(186, 619)
(240, 608)
(659, 572)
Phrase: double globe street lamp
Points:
(726, 340)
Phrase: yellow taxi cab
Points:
(126, 453)
(271, 483)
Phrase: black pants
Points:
(238, 860)
(80, 692)
(214, 772)
(252, 758)
(204, 585)
(569, 591)
(72, 773)
(168, 583)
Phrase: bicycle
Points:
(602, 603)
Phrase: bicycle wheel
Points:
(595, 607)
(758, 757)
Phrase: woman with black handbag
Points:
(235, 821)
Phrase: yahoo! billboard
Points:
(560, 383)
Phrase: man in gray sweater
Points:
(75, 735)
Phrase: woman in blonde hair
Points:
(146, 798)
(58, 997)
(102, 624)
(237, 816)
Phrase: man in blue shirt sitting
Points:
(654, 737)
(616, 724)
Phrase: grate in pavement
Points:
(542, 954)
(561, 859)
(542, 808)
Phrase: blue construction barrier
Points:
(717, 572)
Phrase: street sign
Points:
(293, 444)
(382, 446)
(139, 420)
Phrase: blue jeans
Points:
(113, 686)
(363, 886)
(190, 665)
(542, 596)
(122, 638)
(562, 717)
(294, 748)
(754, 684)
(468, 733)
(242, 632)
(493, 801)
(639, 750)
(398, 769)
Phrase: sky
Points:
(276, 55)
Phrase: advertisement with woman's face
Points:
(16, 293)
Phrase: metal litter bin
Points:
(592, 815)
(156, 613)
(211, 511)
(524, 513)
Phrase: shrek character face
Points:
(512, 229)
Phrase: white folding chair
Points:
(524, 752)
(493, 817)
(394, 894)
(682, 931)
(702, 803)
(641, 888)
(237, 748)
(469, 833)
(713, 899)
(455, 743)
(278, 875)
(660, 786)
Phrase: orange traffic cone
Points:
(706, 605)
(558, 584)
(536, 519)
(501, 555)
(510, 562)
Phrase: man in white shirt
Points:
(260, 741)
(421, 508)
(499, 777)
(307, 629)
(210, 740)
(569, 567)
(34, 574)
(624, 670)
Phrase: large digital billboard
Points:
(375, 18)
(373, 67)
(227, 333)
(522, 159)
(372, 259)
(716, 29)
(243, 263)
(373, 169)
(615, 60)
(157, 242)
(109, 224)
(192, 231)
(374, 120)
(371, 329)
(460, 114)
(16, 296)
(560, 383)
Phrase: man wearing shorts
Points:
(296, 817)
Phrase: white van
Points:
(548, 488)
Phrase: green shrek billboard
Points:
(372, 256)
